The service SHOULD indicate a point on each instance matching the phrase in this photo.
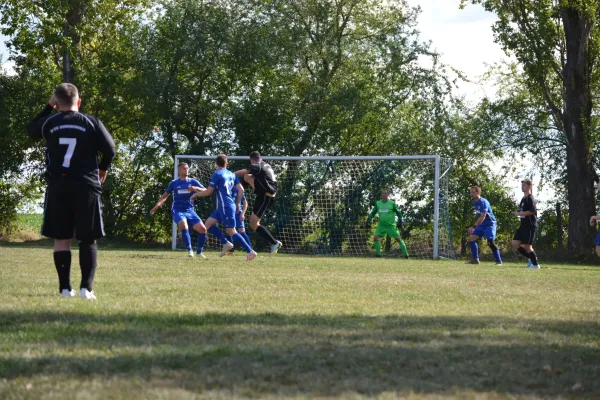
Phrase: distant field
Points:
(169, 327)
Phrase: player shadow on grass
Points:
(314, 355)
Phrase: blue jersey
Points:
(223, 181)
(181, 193)
(483, 206)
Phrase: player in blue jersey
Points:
(182, 209)
(485, 226)
(222, 183)
(240, 218)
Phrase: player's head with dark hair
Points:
(526, 185)
(475, 191)
(255, 157)
(183, 169)
(385, 194)
(66, 95)
(222, 161)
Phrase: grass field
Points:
(169, 327)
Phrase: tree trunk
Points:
(559, 226)
(74, 17)
(576, 122)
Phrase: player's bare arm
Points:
(238, 198)
(244, 209)
(523, 213)
(159, 203)
(478, 222)
(195, 188)
(203, 193)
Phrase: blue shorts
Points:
(226, 217)
(239, 224)
(489, 232)
(598, 239)
(188, 215)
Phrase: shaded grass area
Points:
(169, 327)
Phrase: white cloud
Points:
(463, 37)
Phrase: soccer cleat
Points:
(473, 261)
(499, 263)
(533, 266)
(86, 294)
(68, 293)
(201, 255)
(275, 248)
(406, 257)
(226, 247)
(529, 264)
(190, 253)
(251, 256)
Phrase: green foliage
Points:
(306, 77)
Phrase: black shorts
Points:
(261, 204)
(525, 234)
(72, 210)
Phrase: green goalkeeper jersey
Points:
(387, 213)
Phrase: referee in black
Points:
(73, 205)
(261, 177)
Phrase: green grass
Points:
(169, 327)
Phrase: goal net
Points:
(322, 203)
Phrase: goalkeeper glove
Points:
(400, 224)
(368, 223)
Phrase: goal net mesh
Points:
(322, 206)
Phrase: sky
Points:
(465, 40)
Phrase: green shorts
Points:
(392, 232)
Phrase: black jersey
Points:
(264, 178)
(528, 203)
(73, 140)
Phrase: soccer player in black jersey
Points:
(261, 177)
(525, 235)
(73, 197)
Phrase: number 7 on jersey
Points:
(71, 143)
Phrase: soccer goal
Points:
(323, 203)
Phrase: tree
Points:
(556, 43)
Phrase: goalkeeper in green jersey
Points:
(387, 225)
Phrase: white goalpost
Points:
(323, 202)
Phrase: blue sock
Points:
(245, 235)
(217, 233)
(496, 254)
(201, 242)
(187, 240)
(474, 250)
(233, 248)
(239, 239)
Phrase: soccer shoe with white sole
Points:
(86, 294)
(251, 256)
(68, 293)
(473, 261)
(201, 256)
(190, 253)
(499, 263)
(534, 267)
(275, 248)
(226, 247)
